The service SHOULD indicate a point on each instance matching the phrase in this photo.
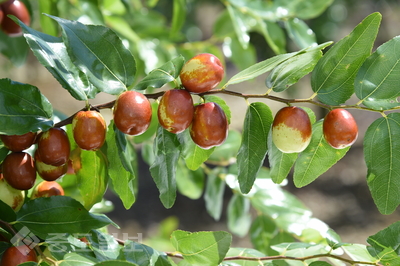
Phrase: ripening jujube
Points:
(209, 126)
(16, 255)
(54, 147)
(291, 129)
(18, 142)
(47, 171)
(175, 110)
(17, 9)
(340, 128)
(89, 130)
(19, 170)
(132, 113)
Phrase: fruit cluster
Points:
(17, 9)
(176, 110)
(291, 129)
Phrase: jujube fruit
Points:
(132, 113)
(17, 9)
(54, 147)
(47, 171)
(202, 73)
(209, 126)
(18, 142)
(340, 128)
(19, 170)
(47, 189)
(11, 196)
(14, 256)
(89, 130)
(175, 111)
(291, 129)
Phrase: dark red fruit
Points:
(1, 15)
(14, 256)
(54, 147)
(89, 130)
(19, 170)
(340, 129)
(49, 172)
(18, 142)
(202, 73)
(209, 126)
(17, 9)
(291, 129)
(175, 111)
(47, 189)
(132, 113)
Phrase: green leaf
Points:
(243, 252)
(160, 76)
(316, 159)
(214, 194)
(333, 239)
(58, 215)
(202, 248)
(358, 252)
(300, 33)
(100, 55)
(23, 108)
(52, 54)
(262, 230)
(73, 259)
(193, 155)
(382, 157)
(258, 69)
(92, 177)
(388, 237)
(333, 77)
(6, 212)
(226, 153)
(376, 81)
(163, 170)
(178, 18)
(144, 255)
(14, 48)
(123, 181)
(273, 34)
(239, 217)
(48, 25)
(253, 148)
(280, 163)
(242, 58)
(290, 71)
(239, 25)
(304, 9)
(115, 263)
(104, 245)
(190, 183)
(320, 263)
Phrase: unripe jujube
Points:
(54, 147)
(19, 170)
(291, 129)
(202, 73)
(17, 9)
(340, 129)
(175, 111)
(209, 126)
(47, 171)
(11, 196)
(47, 189)
(18, 142)
(89, 129)
(132, 113)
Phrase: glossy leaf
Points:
(386, 243)
(190, 183)
(214, 193)
(300, 33)
(258, 69)
(202, 248)
(52, 54)
(163, 170)
(100, 55)
(144, 255)
(333, 77)
(58, 215)
(92, 177)
(193, 155)
(304, 9)
(239, 217)
(293, 69)
(280, 163)
(382, 156)
(6, 212)
(253, 148)
(316, 159)
(162, 75)
(23, 108)
(122, 180)
(377, 80)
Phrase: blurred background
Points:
(340, 197)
